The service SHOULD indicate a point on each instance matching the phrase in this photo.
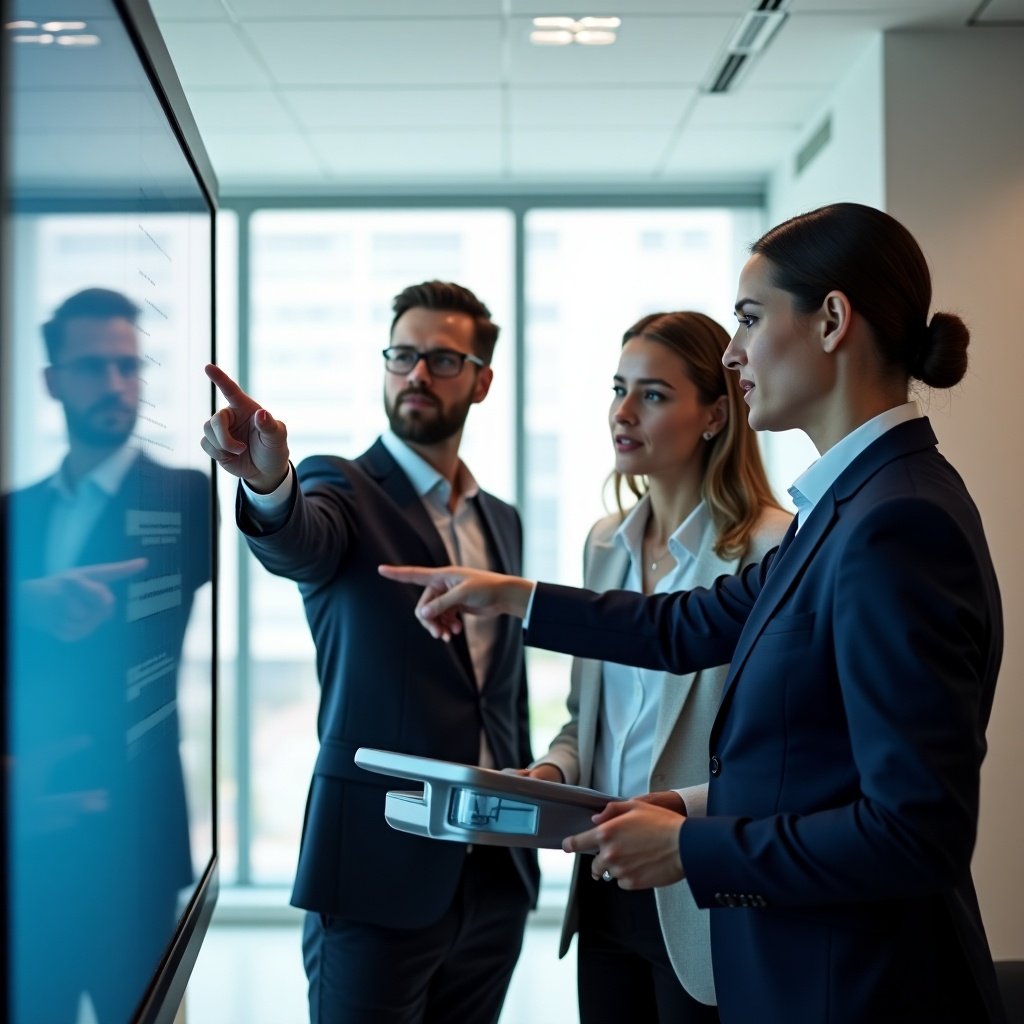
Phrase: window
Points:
(321, 284)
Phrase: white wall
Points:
(928, 125)
(954, 174)
(849, 169)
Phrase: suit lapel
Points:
(606, 568)
(500, 541)
(676, 689)
(799, 546)
(381, 466)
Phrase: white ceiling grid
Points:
(344, 95)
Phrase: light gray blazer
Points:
(680, 754)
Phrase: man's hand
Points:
(453, 591)
(71, 605)
(637, 843)
(244, 438)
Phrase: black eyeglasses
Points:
(441, 362)
(95, 367)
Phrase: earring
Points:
(707, 435)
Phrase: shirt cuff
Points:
(695, 800)
(272, 508)
(529, 607)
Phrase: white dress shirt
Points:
(630, 696)
(77, 510)
(810, 487)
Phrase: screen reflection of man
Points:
(107, 554)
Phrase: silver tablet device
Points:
(467, 804)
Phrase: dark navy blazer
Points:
(844, 761)
(385, 683)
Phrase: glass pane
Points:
(108, 516)
(322, 286)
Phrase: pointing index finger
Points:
(233, 394)
(407, 573)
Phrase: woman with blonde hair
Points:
(683, 448)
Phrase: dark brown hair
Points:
(734, 484)
(98, 303)
(876, 263)
(447, 297)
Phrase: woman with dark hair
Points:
(845, 757)
(684, 449)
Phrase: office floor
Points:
(252, 974)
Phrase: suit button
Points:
(714, 766)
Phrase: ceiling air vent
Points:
(752, 35)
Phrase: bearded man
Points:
(398, 928)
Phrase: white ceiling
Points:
(415, 95)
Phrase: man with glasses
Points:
(107, 553)
(398, 928)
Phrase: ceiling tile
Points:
(239, 110)
(704, 151)
(922, 13)
(587, 154)
(411, 156)
(760, 108)
(638, 107)
(209, 54)
(245, 156)
(387, 53)
(189, 10)
(396, 108)
(629, 9)
(336, 9)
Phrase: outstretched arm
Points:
(453, 591)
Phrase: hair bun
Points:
(941, 358)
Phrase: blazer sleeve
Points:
(312, 542)
(677, 633)
(912, 623)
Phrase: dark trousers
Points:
(624, 973)
(456, 970)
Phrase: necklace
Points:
(654, 561)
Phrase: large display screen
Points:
(108, 524)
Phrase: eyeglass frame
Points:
(464, 357)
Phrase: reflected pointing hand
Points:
(453, 591)
(244, 439)
(71, 605)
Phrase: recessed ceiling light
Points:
(44, 39)
(561, 31)
(83, 40)
(551, 37)
(16, 25)
(63, 26)
(568, 24)
(594, 37)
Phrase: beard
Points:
(425, 426)
(107, 424)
